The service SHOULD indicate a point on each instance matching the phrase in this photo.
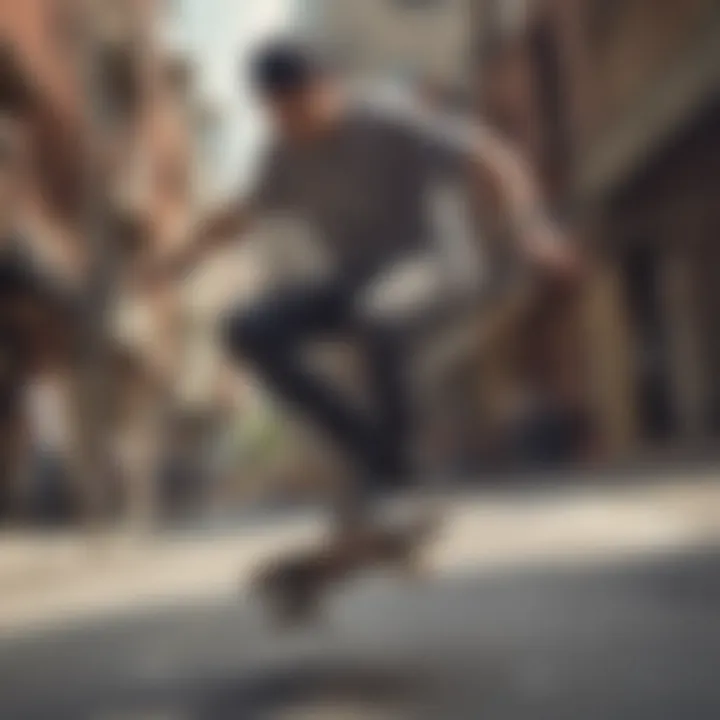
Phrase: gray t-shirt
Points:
(363, 188)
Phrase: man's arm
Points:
(211, 234)
(513, 185)
(503, 177)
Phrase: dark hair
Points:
(283, 67)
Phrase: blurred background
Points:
(138, 117)
(123, 121)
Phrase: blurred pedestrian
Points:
(34, 310)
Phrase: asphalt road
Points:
(629, 641)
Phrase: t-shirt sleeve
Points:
(447, 141)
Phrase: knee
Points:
(247, 334)
(379, 336)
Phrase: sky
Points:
(220, 35)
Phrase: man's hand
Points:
(549, 253)
(155, 275)
(210, 235)
(515, 191)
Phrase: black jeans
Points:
(271, 335)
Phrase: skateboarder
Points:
(359, 171)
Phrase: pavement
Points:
(55, 579)
(595, 602)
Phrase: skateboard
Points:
(292, 587)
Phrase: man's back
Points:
(363, 186)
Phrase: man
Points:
(359, 172)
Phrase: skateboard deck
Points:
(292, 587)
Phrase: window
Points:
(65, 26)
(512, 16)
(603, 19)
(121, 75)
(551, 93)
(418, 4)
(15, 92)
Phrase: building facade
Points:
(113, 119)
(617, 103)
(425, 41)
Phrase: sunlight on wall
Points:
(221, 35)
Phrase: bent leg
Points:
(389, 383)
(271, 334)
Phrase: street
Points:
(627, 629)
(636, 641)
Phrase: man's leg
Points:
(388, 378)
(271, 335)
